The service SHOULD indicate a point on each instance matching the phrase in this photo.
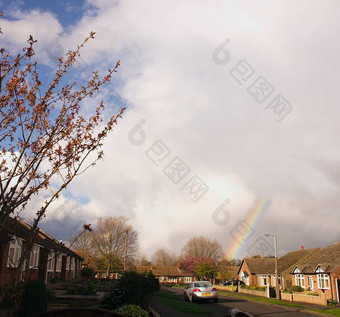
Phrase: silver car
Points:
(200, 290)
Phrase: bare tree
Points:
(115, 240)
(163, 258)
(203, 247)
(142, 260)
(45, 139)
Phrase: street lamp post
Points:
(125, 249)
(278, 294)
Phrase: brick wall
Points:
(317, 300)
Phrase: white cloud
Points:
(212, 123)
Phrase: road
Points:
(257, 309)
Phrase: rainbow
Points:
(245, 228)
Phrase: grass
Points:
(264, 299)
(333, 311)
(174, 303)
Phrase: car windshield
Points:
(203, 284)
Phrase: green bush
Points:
(312, 293)
(132, 311)
(50, 294)
(297, 288)
(70, 290)
(12, 299)
(131, 289)
(88, 272)
(34, 298)
(89, 289)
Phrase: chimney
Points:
(302, 247)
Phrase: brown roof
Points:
(291, 259)
(260, 265)
(328, 259)
(162, 270)
(23, 230)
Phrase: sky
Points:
(231, 128)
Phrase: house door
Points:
(338, 288)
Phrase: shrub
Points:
(12, 300)
(132, 311)
(131, 289)
(297, 288)
(88, 272)
(34, 298)
(70, 290)
(50, 294)
(312, 293)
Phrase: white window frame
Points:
(16, 245)
(311, 282)
(161, 278)
(50, 261)
(300, 280)
(34, 257)
(263, 280)
(323, 281)
(73, 263)
(68, 263)
(187, 279)
(58, 262)
(172, 279)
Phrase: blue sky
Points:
(191, 74)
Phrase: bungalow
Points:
(168, 274)
(47, 259)
(261, 271)
(320, 273)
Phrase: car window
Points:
(203, 284)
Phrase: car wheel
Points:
(192, 299)
(215, 300)
(185, 297)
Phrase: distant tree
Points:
(205, 270)
(189, 264)
(225, 269)
(46, 139)
(141, 260)
(203, 247)
(82, 241)
(109, 238)
(163, 258)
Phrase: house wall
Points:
(253, 280)
(329, 294)
(5, 272)
(334, 276)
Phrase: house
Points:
(261, 271)
(168, 274)
(257, 271)
(48, 258)
(320, 273)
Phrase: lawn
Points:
(175, 303)
(264, 299)
(332, 312)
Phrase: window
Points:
(73, 263)
(34, 257)
(172, 279)
(14, 252)
(323, 281)
(187, 279)
(161, 278)
(58, 263)
(67, 263)
(300, 280)
(50, 261)
(263, 280)
(310, 283)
